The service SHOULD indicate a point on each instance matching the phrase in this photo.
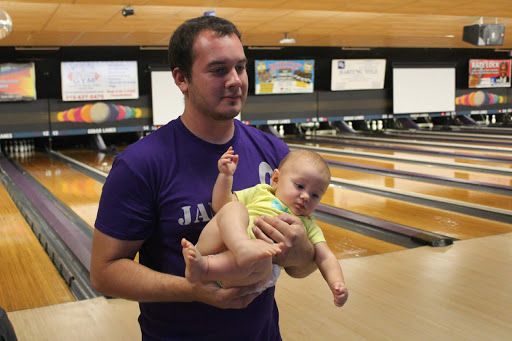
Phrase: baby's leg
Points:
(222, 267)
(196, 265)
(232, 221)
(210, 241)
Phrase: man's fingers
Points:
(268, 226)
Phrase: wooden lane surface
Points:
(76, 190)
(419, 187)
(98, 160)
(451, 224)
(347, 244)
(459, 292)
(28, 278)
(410, 156)
(453, 137)
(475, 176)
(446, 147)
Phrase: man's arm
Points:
(115, 273)
(298, 254)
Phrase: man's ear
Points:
(274, 179)
(180, 80)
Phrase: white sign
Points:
(357, 74)
(85, 81)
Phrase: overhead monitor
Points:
(284, 76)
(17, 82)
(357, 74)
(99, 81)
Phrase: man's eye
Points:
(240, 68)
(219, 71)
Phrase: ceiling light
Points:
(287, 40)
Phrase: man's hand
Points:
(298, 254)
(231, 298)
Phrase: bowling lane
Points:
(451, 224)
(430, 146)
(406, 156)
(76, 190)
(27, 275)
(348, 244)
(420, 187)
(475, 176)
(454, 136)
(98, 160)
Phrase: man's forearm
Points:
(127, 279)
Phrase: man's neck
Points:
(207, 129)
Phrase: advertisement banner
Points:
(84, 81)
(17, 82)
(357, 74)
(284, 76)
(489, 73)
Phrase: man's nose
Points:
(234, 79)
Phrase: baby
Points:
(297, 187)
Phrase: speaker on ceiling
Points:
(484, 34)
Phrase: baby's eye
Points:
(299, 186)
(316, 196)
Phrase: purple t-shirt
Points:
(160, 190)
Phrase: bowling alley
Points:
(128, 128)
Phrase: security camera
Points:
(128, 10)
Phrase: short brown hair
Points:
(181, 54)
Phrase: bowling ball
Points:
(100, 112)
(86, 113)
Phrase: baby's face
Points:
(300, 186)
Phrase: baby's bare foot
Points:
(196, 265)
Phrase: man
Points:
(159, 191)
(503, 78)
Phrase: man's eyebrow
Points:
(223, 62)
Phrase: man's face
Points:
(503, 70)
(218, 83)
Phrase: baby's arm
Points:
(222, 190)
(331, 271)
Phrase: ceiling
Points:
(343, 23)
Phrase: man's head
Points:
(503, 69)
(181, 54)
(301, 180)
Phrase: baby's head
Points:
(301, 180)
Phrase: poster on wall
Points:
(17, 82)
(284, 76)
(489, 73)
(85, 81)
(357, 74)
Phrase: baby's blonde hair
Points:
(308, 156)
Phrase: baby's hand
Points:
(340, 293)
(228, 162)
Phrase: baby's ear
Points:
(275, 177)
